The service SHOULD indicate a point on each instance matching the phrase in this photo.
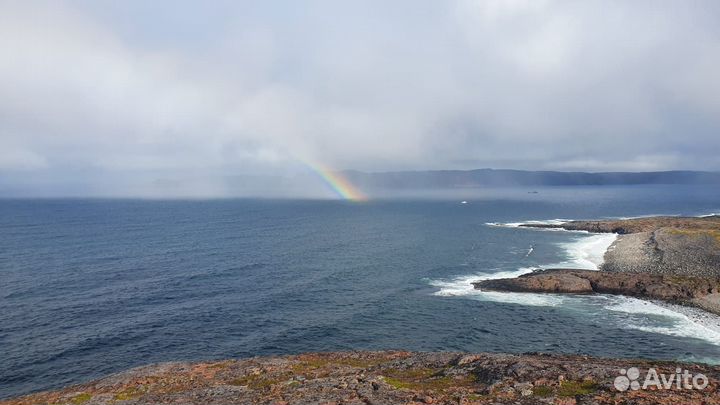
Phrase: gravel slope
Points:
(684, 246)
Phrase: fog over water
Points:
(190, 99)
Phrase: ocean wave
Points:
(640, 216)
(586, 252)
(712, 214)
(557, 221)
(461, 286)
(668, 319)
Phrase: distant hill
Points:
(435, 179)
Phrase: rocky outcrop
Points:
(696, 291)
(668, 251)
(673, 259)
(635, 225)
(685, 246)
(543, 281)
(385, 378)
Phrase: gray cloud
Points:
(143, 94)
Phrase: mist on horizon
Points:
(193, 99)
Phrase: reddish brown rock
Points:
(547, 282)
(383, 378)
(697, 291)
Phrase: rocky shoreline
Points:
(387, 378)
(673, 259)
(683, 246)
(701, 292)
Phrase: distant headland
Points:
(434, 179)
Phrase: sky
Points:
(213, 98)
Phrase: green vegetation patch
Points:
(81, 398)
(311, 367)
(128, 394)
(308, 363)
(542, 391)
(573, 388)
(424, 379)
(220, 365)
(476, 397)
(713, 233)
(133, 392)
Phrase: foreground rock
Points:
(385, 378)
(701, 292)
(685, 246)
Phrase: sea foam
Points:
(712, 214)
(586, 252)
(462, 287)
(665, 318)
(557, 221)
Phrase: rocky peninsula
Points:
(702, 292)
(673, 259)
(386, 378)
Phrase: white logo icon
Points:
(628, 379)
(682, 379)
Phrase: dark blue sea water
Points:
(91, 287)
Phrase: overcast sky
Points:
(127, 96)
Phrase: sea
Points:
(90, 287)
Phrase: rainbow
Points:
(339, 183)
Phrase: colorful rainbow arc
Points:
(339, 183)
